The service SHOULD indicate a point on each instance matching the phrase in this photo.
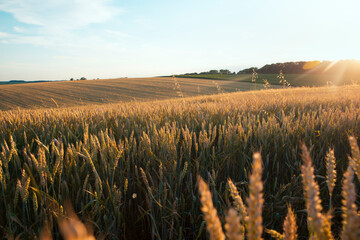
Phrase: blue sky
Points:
(60, 39)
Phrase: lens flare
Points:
(310, 65)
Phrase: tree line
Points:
(347, 67)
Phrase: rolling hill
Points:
(74, 93)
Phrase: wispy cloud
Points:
(63, 14)
(5, 35)
(20, 29)
(57, 22)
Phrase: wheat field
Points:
(130, 170)
(75, 93)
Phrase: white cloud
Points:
(19, 29)
(58, 21)
(63, 14)
(5, 35)
(34, 40)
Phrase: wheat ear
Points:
(233, 227)
(318, 224)
(255, 201)
(213, 224)
(354, 160)
(290, 227)
(330, 171)
(274, 234)
(351, 219)
(238, 202)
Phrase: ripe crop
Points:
(131, 169)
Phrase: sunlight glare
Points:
(310, 65)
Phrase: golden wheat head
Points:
(233, 227)
(213, 224)
(318, 224)
(351, 218)
(330, 170)
(354, 160)
(255, 200)
(239, 204)
(290, 227)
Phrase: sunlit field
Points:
(179, 120)
(297, 74)
(132, 170)
(296, 80)
(75, 93)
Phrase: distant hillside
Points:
(347, 67)
(311, 73)
(75, 93)
(20, 82)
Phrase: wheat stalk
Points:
(126, 185)
(351, 218)
(41, 165)
(330, 171)
(290, 227)
(213, 224)
(91, 163)
(255, 201)
(317, 222)
(35, 202)
(23, 186)
(2, 176)
(274, 234)
(355, 158)
(239, 204)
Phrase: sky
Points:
(63, 39)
